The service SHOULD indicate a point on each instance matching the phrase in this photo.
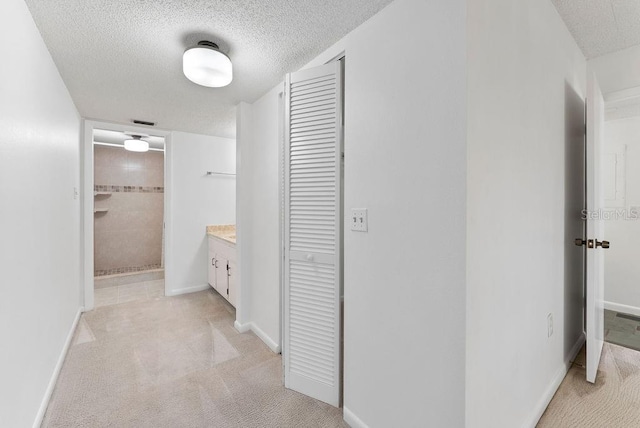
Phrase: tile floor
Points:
(622, 329)
(175, 362)
(129, 293)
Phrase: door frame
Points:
(282, 184)
(86, 195)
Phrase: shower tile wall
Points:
(128, 237)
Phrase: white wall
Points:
(40, 245)
(405, 162)
(244, 213)
(196, 201)
(524, 70)
(622, 271)
(259, 199)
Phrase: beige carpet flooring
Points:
(613, 402)
(175, 362)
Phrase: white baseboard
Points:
(56, 371)
(243, 328)
(265, 338)
(625, 309)
(187, 290)
(351, 419)
(555, 384)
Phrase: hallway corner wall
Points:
(40, 217)
(526, 77)
(259, 214)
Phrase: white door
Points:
(313, 152)
(595, 230)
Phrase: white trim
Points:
(243, 140)
(555, 384)
(352, 420)
(87, 201)
(187, 290)
(87, 217)
(56, 371)
(168, 215)
(243, 328)
(625, 309)
(265, 338)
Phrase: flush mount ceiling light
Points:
(205, 65)
(136, 144)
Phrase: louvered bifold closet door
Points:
(312, 233)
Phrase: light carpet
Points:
(176, 362)
(612, 402)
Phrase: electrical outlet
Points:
(549, 325)
(358, 220)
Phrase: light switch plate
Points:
(358, 220)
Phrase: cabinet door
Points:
(222, 279)
(232, 282)
(211, 269)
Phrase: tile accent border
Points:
(128, 269)
(126, 189)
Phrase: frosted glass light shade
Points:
(136, 145)
(207, 66)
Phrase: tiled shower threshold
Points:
(128, 278)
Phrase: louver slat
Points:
(312, 215)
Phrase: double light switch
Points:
(358, 219)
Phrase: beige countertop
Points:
(226, 232)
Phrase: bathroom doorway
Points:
(128, 216)
(125, 205)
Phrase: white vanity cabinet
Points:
(222, 267)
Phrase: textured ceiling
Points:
(122, 60)
(601, 26)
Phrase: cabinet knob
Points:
(309, 257)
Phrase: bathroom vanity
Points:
(222, 271)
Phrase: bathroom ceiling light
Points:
(136, 144)
(205, 65)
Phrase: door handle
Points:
(603, 244)
(589, 242)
